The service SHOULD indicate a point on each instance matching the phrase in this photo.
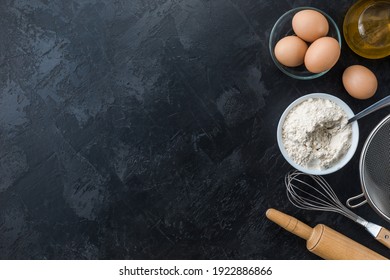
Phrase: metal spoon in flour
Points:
(374, 107)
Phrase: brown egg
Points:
(310, 25)
(290, 51)
(322, 54)
(360, 82)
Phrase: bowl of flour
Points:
(313, 134)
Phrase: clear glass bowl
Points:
(366, 28)
(283, 28)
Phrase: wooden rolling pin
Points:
(324, 241)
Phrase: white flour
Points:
(314, 133)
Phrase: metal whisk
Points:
(320, 196)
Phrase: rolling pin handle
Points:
(326, 242)
(289, 223)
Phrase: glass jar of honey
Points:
(366, 28)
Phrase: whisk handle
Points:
(289, 223)
(384, 237)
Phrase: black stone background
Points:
(146, 129)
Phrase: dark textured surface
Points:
(146, 129)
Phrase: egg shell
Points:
(360, 82)
(290, 51)
(322, 54)
(310, 25)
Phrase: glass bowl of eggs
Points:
(305, 43)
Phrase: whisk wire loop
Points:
(318, 196)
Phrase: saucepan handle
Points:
(351, 205)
